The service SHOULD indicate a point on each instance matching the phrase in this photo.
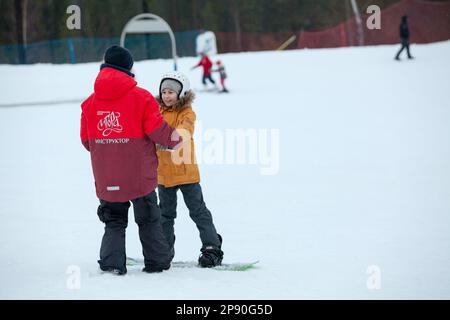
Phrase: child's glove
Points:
(161, 148)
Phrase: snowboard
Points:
(238, 266)
(210, 90)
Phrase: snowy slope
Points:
(362, 179)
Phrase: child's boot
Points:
(211, 256)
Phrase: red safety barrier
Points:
(428, 22)
(250, 41)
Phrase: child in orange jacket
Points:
(175, 99)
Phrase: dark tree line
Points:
(26, 21)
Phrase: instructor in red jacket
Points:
(120, 124)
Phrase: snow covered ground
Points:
(354, 202)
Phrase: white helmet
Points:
(178, 77)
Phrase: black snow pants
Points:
(405, 45)
(148, 218)
(199, 213)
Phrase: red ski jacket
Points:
(120, 124)
(206, 64)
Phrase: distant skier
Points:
(206, 64)
(120, 124)
(223, 75)
(175, 99)
(404, 38)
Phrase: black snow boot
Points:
(155, 269)
(211, 256)
(116, 271)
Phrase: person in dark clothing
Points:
(404, 38)
(120, 124)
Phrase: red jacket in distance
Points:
(206, 64)
(120, 124)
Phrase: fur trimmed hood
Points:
(186, 101)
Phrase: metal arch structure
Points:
(149, 23)
(360, 31)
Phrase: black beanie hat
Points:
(119, 56)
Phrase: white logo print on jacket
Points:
(109, 123)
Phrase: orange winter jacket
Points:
(179, 167)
